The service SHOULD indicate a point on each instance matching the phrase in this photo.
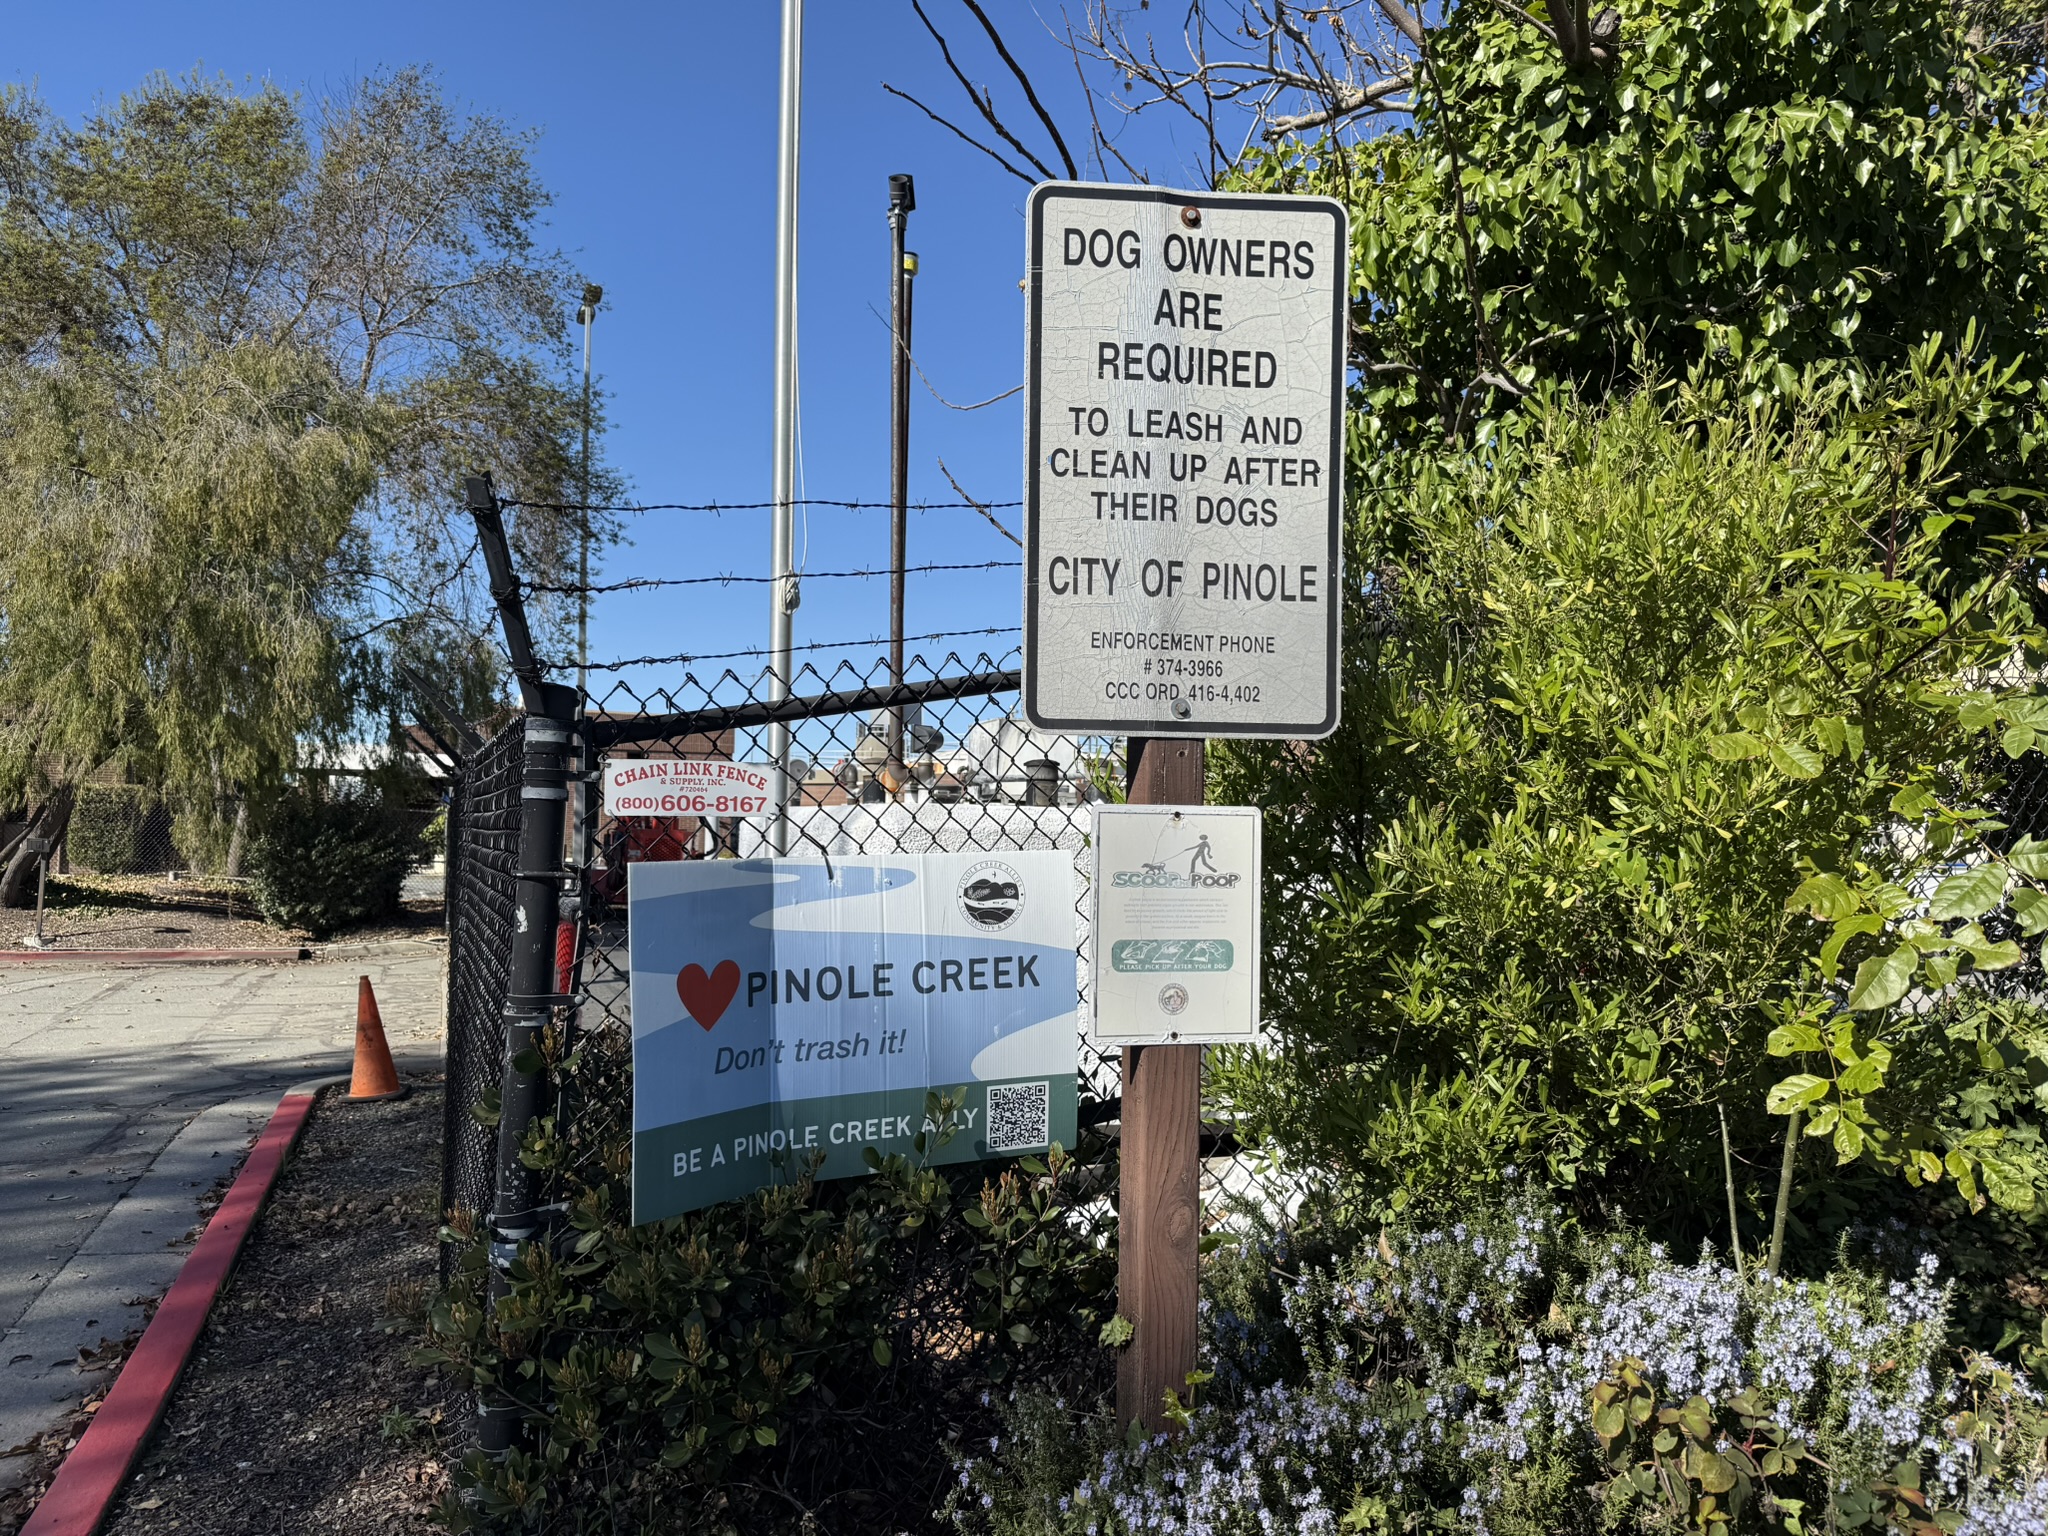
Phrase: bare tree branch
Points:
(1022, 176)
(1023, 79)
(1101, 139)
(984, 102)
(1346, 101)
(1405, 21)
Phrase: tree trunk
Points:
(17, 884)
(236, 838)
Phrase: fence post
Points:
(1159, 1213)
(515, 1215)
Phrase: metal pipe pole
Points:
(782, 591)
(586, 819)
(902, 201)
(592, 297)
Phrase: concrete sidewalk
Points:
(148, 1082)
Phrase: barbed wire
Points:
(640, 583)
(683, 657)
(748, 506)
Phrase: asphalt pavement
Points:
(147, 1082)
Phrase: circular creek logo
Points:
(1173, 999)
(991, 895)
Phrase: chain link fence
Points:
(483, 855)
(970, 776)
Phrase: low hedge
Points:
(329, 859)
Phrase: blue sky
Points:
(657, 137)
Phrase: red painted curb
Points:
(92, 1474)
(156, 955)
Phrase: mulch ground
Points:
(154, 912)
(299, 1411)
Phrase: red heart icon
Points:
(707, 997)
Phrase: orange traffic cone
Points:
(375, 1077)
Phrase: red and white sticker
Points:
(689, 786)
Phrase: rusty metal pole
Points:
(1159, 1214)
(902, 265)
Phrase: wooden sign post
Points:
(1159, 1213)
(1183, 569)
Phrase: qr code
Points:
(1019, 1115)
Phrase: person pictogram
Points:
(1201, 857)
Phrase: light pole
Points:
(585, 313)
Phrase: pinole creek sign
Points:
(787, 1011)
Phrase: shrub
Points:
(1633, 681)
(111, 827)
(328, 859)
(796, 1361)
(1514, 1375)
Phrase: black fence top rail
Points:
(606, 731)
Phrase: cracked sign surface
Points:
(1184, 461)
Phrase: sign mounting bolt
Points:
(1182, 709)
(1191, 217)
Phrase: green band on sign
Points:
(685, 1167)
(1171, 955)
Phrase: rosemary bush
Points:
(1513, 1374)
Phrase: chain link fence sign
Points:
(791, 1011)
(691, 786)
(1184, 461)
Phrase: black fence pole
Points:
(516, 1215)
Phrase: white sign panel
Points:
(1176, 925)
(1184, 462)
(689, 786)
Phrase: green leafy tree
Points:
(1537, 905)
(1758, 190)
(248, 345)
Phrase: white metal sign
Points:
(1176, 925)
(1184, 461)
(690, 786)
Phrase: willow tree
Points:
(248, 345)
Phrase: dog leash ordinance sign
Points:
(1184, 461)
